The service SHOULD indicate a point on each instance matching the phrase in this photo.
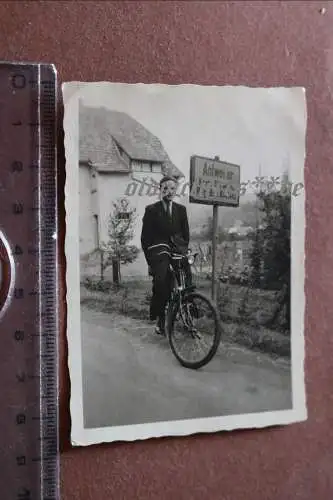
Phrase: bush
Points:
(98, 285)
(260, 339)
(250, 306)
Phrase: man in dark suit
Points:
(164, 227)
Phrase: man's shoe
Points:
(160, 327)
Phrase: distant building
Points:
(235, 254)
(236, 250)
(114, 148)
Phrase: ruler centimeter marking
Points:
(29, 323)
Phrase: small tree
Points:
(118, 250)
(276, 235)
(273, 243)
(256, 258)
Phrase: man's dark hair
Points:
(167, 178)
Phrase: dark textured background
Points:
(252, 43)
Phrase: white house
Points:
(119, 158)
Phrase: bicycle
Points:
(187, 307)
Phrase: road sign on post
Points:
(214, 182)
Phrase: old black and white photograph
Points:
(185, 258)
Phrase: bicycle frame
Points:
(178, 272)
(179, 287)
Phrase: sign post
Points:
(214, 244)
(214, 182)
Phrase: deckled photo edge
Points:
(71, 131)
(82, 436)
(139, 432)
(298, 260)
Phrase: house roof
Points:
(100, 131)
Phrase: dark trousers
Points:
(162, 285)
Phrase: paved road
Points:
(130, 377)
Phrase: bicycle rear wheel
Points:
(193, 330)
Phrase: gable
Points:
(105, 133)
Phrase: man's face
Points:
(168, 190)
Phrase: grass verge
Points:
(132, 299)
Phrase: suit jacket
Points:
(159, 232)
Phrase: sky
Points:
(260, 129)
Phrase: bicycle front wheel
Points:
(193, 330)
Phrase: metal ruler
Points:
(28, 283)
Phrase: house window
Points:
(96, 231)
(146, 166)
(157, 168)
(123, 215)
(142, 166)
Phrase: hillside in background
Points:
(246, 213)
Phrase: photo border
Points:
(83, 436)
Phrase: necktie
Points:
(168, 209)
